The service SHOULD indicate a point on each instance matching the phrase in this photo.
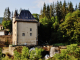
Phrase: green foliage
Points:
(56, 22)
(6, 58)
(73, 50)
(44, 21)
(71, 53)
(71, 27)
(36, 54)
(79, 6)
(70, 8)
(60, 22)
(25, 52)
(17, 55)
(36, 16)
(7, 24)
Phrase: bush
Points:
(71, 53)
(6, 58)
(17, 55)
(26, 54)
(36, 54)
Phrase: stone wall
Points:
(22, 34)
(6, 38)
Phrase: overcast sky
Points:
(33, 5)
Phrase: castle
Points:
(24, 29)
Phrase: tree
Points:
(44, 21)
(56, 23)
(7, 23)
(36, 16)
(70, 8)
(76, 7)
(51, 11)
(44, 10)
(70, 27)
(79, 6)
(7, 14)
(48, 12)
(64, 10)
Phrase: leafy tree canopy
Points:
(71, 27)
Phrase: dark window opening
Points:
(30, 34)
(23, 34)
(30, 29)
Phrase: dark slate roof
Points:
(15, 13)
(25, 15)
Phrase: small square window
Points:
(30, 29)
(30, 34)
(23, 34)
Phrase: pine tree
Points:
(47, 12)
(44, 10)
(64, 9)
(60, 6)
(7, 14)
(76, 7)
(7, 23)
(70, 8)
(79, 6)
(59, 10)
(51, 11)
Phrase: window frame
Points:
(30, 29)
(30, 34)
(23, 34)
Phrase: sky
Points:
(34, 6)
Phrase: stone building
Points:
(25, 28)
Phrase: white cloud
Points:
(39, 3)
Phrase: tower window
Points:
(30, 29)
(30, 34)
(23, 34)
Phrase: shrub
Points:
(71, 53)
(36, 54)
(25, 53)
(17, 55)
(6, 58)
